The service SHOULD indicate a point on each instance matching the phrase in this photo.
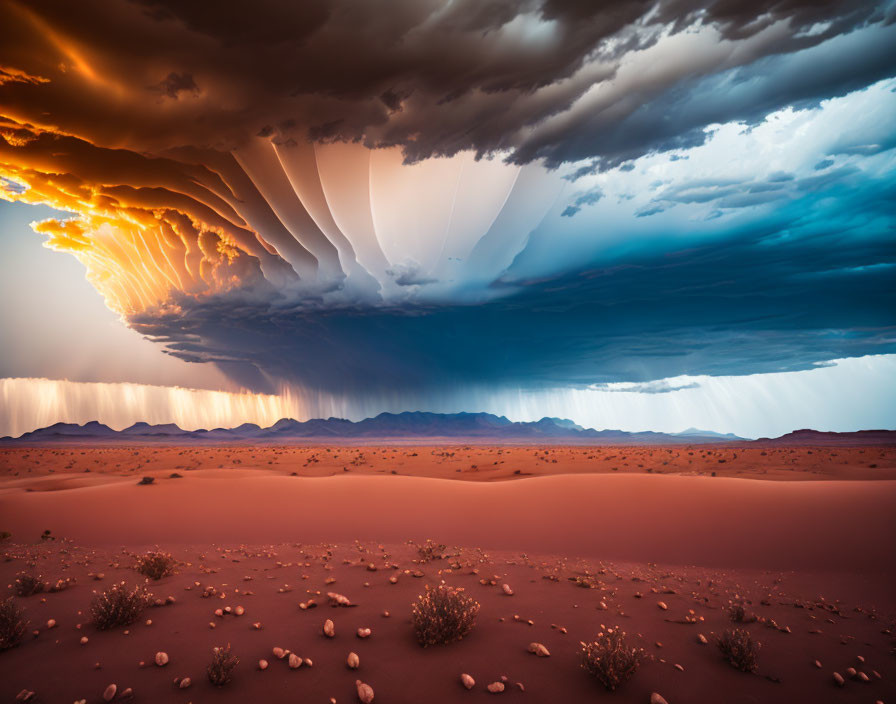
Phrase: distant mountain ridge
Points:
(408, 425)
(421, 425)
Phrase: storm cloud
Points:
(358, 197)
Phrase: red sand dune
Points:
(813, 560)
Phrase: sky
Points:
(678, 214)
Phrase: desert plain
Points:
(672, 545)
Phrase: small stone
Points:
(656, 698)
(702, 639)
(506, 589)
(185, 682)
(467, 681)
(365, 692)
(363, 633)
(110, 692)
(295, 662)
(662, 605)
(239, 611)
(329, 628)
(817, 664)
(539, 650)
(496, 687)
(353, 661)
(161, 659)
(678, 667)
(83, 640)
(279, 653)
(51, 623)
(838, 679)
(262, 664)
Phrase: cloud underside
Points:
(357, 199)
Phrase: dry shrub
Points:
(28, 584)
(443, 614)
(220, 670)
(118, 606)
(13, 624)
(156, 565)
(739, 649)
(431, 550)
(610, 660)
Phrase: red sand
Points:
(770, 544)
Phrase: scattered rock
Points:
(656, 698)
(363, 633)
(506, 589)
(467, 681)
(146, 480)
(295, 662)
(496, 687)
(329, 628)
(838, 679)
(262, 664)
(365, 692)
(184, 683)
(110, 692)
(353, 661)
(702, 639)
(662, 605)
(539, 650)
(161, 659)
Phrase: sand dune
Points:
(673, 519)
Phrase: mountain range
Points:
(419, 425)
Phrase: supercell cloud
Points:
(356, 197)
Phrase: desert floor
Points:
(582, 546)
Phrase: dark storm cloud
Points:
(430, 76)
(753, 302)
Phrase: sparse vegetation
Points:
(739, 649)
(220, 670)
(156, 565)
(610, 659)
(738, 614)
(118, 606)
(443, 614)
(13, 624)
(28, 584)
(431, 550)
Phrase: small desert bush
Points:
(443, 614)
(118, 606)
(27, 584)
(13, 625)
(739, 649)
(431, 551)
(156, 565)
(220, 670)
(610, 659)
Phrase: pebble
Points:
(26, 695)
(838, 679)
(817, 664)
(295, 662)
(329, 628)
(353, 661)
(467, 681)
(365, 692)
(539, 650)
(185, 682)
(161, 659)
(110, 692)
(363, 633)
(496, 687)
(83, 640)
(262, 664)
(656, 698)
(506, 589)
(662, 605)
(702, 639)
(51, 623)
(279, 653)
